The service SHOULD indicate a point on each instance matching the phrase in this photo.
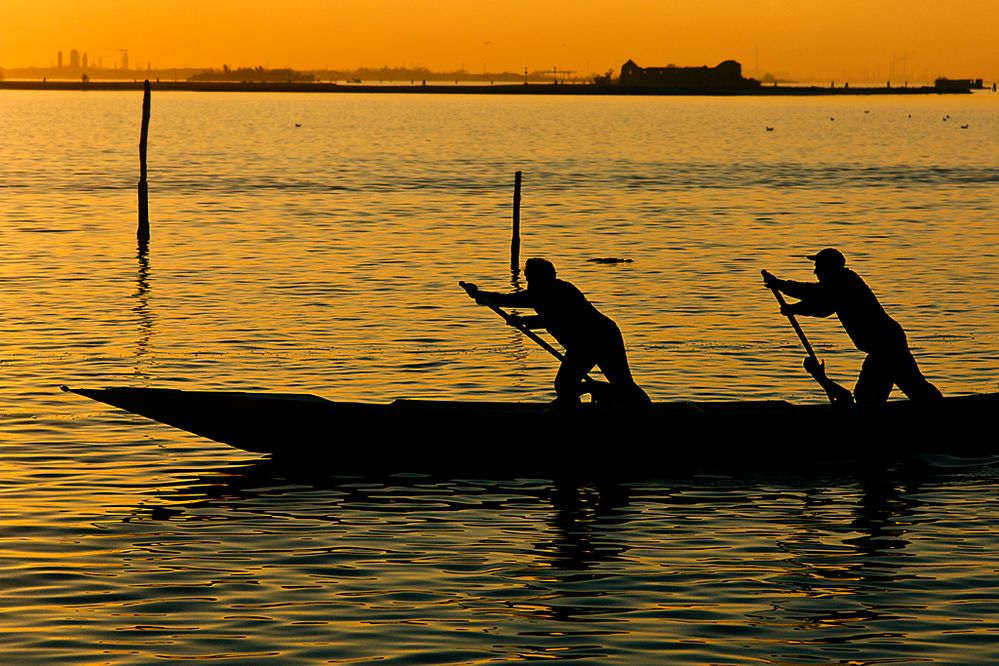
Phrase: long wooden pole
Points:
(515, 240)
(837, 394)
(512, 321)
(143, 230)
(794, 324)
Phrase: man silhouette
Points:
(839, 290)
(588, 337)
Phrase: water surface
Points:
(324, 258)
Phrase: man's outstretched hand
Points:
(470, 288)
(473, 292)
(815, 369)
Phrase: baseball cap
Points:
(829, 256)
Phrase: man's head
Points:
(828, 262)
(539, 271)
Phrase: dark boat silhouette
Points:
(527, 439)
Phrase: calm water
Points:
(324, 258)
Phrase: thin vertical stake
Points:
(143, 231)
(515, 241)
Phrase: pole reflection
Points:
(145, 318)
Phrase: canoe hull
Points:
(529, 439)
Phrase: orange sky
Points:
(806, 39)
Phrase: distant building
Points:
(83, 61)
(944, 83)
(60, 59)
(74, 59)
(724, 76)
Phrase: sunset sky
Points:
(805, 39)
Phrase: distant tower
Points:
(124, 59)
(83, 61)
(60, 59)
(74, 58)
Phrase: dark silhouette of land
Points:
(466, 89)
(723, 79)
(841, 291)
(73, 71)
(589, 337)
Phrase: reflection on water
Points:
(704, 570)
(144, 315)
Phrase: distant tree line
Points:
(415, 74)
(287, 75)
(410, 74)
(253, 74)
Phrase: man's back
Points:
(845, 293)
(860, 312)
(568, 315)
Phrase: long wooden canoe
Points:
(527, 438)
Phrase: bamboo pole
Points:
(143, 230)
(515, 241)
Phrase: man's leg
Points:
(614, 364)
(911, 381)
(569, 378)
(875, 381)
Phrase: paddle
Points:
(836, 393)
(514, 321)
(510, 319)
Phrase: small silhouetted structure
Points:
(943, 83)
(724, 76)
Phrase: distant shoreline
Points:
(473, 89)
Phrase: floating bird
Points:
(770, 129)
(298, 124)
(867, 111)
(964, 127)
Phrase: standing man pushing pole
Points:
(841, 291)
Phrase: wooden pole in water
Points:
(515, 241)
(143, 230)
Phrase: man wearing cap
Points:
(841, 291)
